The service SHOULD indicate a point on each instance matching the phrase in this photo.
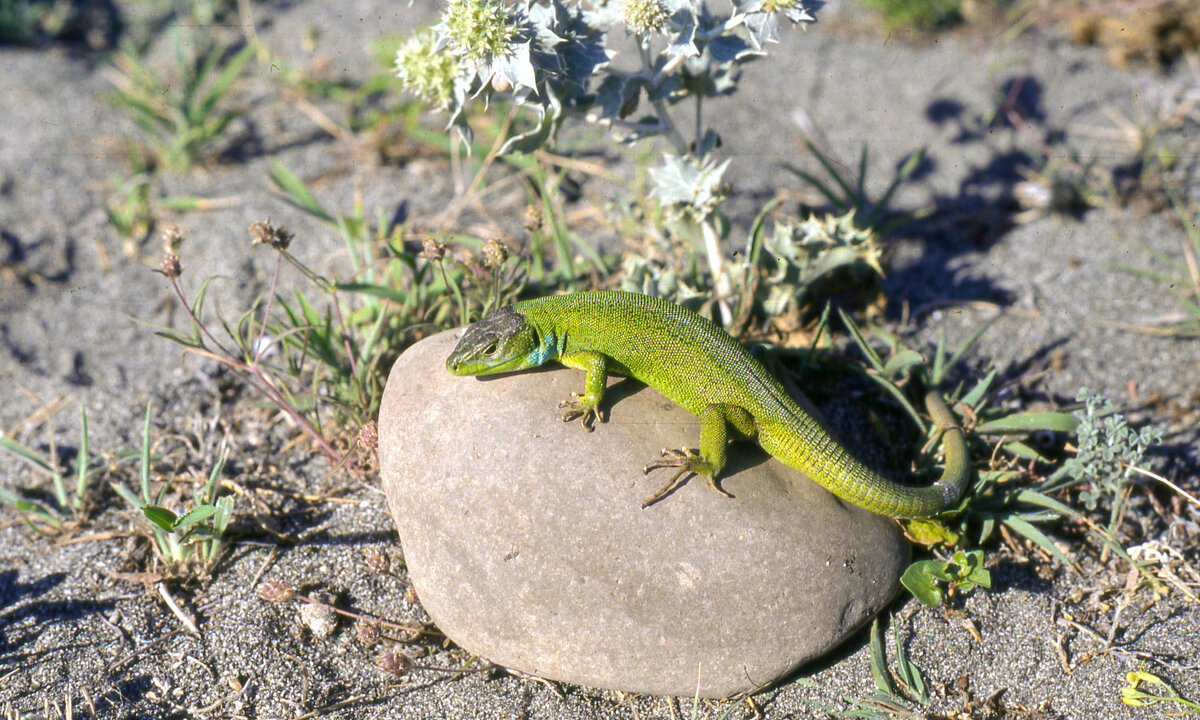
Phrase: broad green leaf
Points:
(160, 516)
(930, 532)
(922, 585)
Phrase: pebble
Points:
(527, 544)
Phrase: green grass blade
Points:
(879, 668)
(867, 350)
(228, 74)
(82, 461)
(296, 194)
(1027, 422)
(144, 464)
(25, 454)
(1039, 538)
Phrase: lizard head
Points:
(504, 341)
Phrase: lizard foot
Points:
(578, 407)
(689, 463)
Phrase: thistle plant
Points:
(554, 61)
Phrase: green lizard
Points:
(701, 368)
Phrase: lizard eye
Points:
(491, 349)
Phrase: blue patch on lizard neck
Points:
(548, 349)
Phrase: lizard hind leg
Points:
(689, 463)
(710, 459)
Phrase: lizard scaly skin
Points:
(704, 370)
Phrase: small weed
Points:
(322, 359)
(1107, 454)
(1133, 694)
(183, 118)
(1183, 281)
(1011, 492)
(134, 210)
(189, 542)
(71, 505)
(920, 15)
(888, 701)
(925, 578)
(848, 194)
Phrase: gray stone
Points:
(527, 543)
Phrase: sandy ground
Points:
(74, 625)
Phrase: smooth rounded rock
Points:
(527, 543)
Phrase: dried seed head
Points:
(533, 217)
(368, 435)
(432, 250)
(170, 266)
(394, 663)
(264, 233)
(378, 560)
(275, 591)
(494, 253)
(172, 238)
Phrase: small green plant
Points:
(193, 540)
(182, 123)
(925, 579)
(848, 194)
(71, 504)
(1013, 490)
(1108, 452)
(1183, 280)
(781, 277)
(1133, 694)
(896, 691)
(922, 15)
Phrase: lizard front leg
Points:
(715, 421)
(586, 405)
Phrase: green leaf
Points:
(144, 465)
(1037, 536)
(921, 583)
(879, 669)
(195, 515)
(296, 194)
(379, 291)
(930, 532)
(972, 398)
(863, 345)
(160, 516)
(909, 673)
(1022, 450)
(902, 361)
(1027, 422)
(26, 454)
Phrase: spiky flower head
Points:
(644, 17)
(479, 30)
(427, 71)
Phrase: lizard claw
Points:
(577, 408)
(689, 463)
